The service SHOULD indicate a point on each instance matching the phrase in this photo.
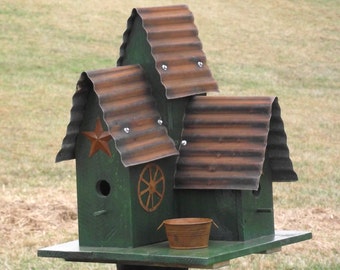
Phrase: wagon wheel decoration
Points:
(151, 187)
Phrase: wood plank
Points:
(159, 254)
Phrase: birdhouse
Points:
(124, 157)
(150, 145)
(235, 148)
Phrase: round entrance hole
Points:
(103, 187)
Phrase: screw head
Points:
(160, 122)
(200, 64)
(164, 67)
(184, 142)
(126, 130)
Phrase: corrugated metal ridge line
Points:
(233, 180)
(172, 57)
(234, 104)
(152, 148)
(226, 133)
(239, 149)
(228, 118)
(119, 122)
(119, 103)
(221, 163)
(128, 105)
(138, 144)
(184, 88)
(110, 77)
(167, 15)
(185, 30)
(176, 43)
(131, 116)
(175, 74)
(176, 49)
(139, 130)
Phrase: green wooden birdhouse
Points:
(150, 145)
(129, 123)
(124, 159)
(235, 148)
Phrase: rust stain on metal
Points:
(129, 113)
(227, 140)
(176, 49)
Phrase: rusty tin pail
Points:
(187, 233)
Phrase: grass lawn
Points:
(289, 49)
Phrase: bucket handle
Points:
(215, 224)
(160, 226)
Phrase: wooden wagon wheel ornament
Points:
(151, 187)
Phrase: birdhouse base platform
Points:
(153, 256)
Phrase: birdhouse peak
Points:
(173, 50)
(129, 113)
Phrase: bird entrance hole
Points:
(103, 188)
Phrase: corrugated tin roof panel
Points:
(176, 49)
(79, 101)
(227, 141)
(129, 112)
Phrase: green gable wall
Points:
(257, 216)
(145, 223)
(138, 51)
(103, 220)
(240, 214)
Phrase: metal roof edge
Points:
(279, 160)
(126, 35)
(228, 115)
(79, 100)
(137, 12)
(90, 75)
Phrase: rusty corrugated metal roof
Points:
(129, 112)
(176, 49)
(227, 141)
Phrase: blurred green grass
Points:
(290, 49)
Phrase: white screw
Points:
(160, 122)
(200, 64)
(164, 67)
(126, 130)
(184, 142)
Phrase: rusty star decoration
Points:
(99, 139)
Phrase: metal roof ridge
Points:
(187, 47)
(88, 82)
(128, 163)
(276, 153)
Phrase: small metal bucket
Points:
(187, 233)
